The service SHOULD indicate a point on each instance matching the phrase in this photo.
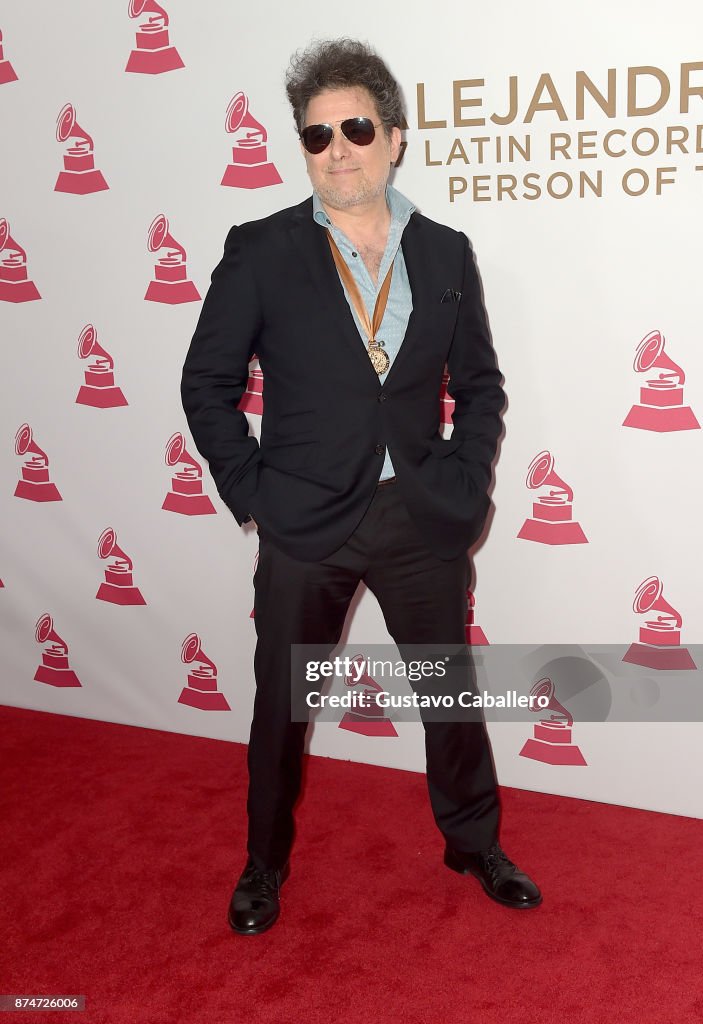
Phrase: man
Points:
(351, 480)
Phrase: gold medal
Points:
(379, 358)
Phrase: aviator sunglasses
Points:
(359, 130)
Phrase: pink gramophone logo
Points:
(253, 398)
(118, 586)
(186, 495)
(250, 167)
(552, 514)
(15, 285)
(35, 484)
(660, 636)
(661, 405)
(54, 669)
(366, 720)
(170, 284)
(551, 742)
(201, 691)
(80, 176)
(7, 72)
(446, 402)
(99, 390)
(474, 634)
(154, 54)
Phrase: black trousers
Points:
(423, 600)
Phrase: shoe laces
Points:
(267, 881)
(496, 859)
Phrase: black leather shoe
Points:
(255, 903)
(500, 878)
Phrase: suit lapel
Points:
(310, 242)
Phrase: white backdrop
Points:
(572, 286)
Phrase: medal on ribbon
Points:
(380, 360)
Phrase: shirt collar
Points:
(401, 208)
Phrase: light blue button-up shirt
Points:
(400, 300)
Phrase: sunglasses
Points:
(359, 130)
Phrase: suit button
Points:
(382, 397)
(380, 449)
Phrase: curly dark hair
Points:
(343, 64)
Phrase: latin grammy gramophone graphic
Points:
(446, 402)
(201, 691)
(170, 284)
(552, 513)
(99, 389)
(35, 484)
(186, 494)
(79, 176)
(15, 285)
(253, 398)
(659, 645)
(118, 586)
(371, 720)
(551, 742)
(7, 72)
(250, 167)
(474, 634)
(54, 669)
(154, 54)
(661, 406)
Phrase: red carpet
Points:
(122, 846)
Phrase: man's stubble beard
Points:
(341, 200)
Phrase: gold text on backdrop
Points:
(646, 90)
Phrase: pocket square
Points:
(451, 296)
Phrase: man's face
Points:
(345, 175)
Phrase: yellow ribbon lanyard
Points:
(379, 359)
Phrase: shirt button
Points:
(382, 397)
(355, 254)
(380, 449)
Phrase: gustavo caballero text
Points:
(466, 699)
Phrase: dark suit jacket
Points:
(327, 420)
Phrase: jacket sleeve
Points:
(215, 376)
(474, 381)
